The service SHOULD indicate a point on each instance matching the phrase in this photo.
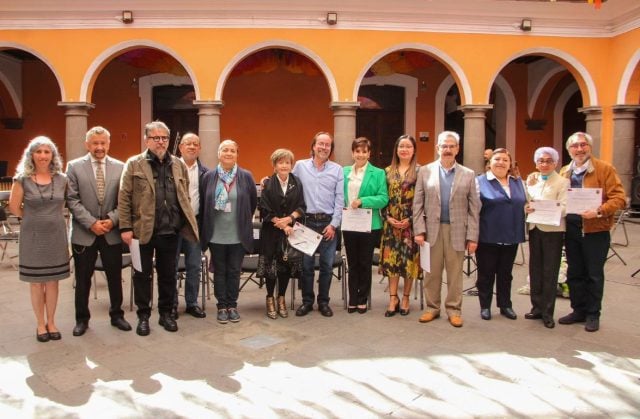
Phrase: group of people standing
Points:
(172, 205)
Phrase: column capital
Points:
(76, 106)
(475, 110)
(345, 106)
(591, 110)
(216, 104)
(623, 109)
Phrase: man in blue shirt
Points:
(322, 182)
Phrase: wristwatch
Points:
(598, 214)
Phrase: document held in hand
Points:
(425, 257)
(357, 219)
(304, 239)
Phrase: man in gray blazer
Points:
(92, 198)
(447, 200)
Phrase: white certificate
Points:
(134, 249)
(357, 219)
(546, 211)
(580, 200)
(425, 257)
(304, 239)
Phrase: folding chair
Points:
(7, 234)
(181, 268)
(619, 221)
(99, 267)
(249, 266)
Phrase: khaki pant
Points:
(444, 257)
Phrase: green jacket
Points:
(373, 192)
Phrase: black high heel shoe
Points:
(391, 313)
(405, 312)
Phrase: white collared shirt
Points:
(355, 182)
(194, 184)
(94, 166)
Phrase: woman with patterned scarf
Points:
(226, 228)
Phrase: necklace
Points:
(40, 190)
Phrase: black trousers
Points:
(586, 256)
(164, 247)
(84, 258)
(545, 252)
(359, 247)
(495, 263)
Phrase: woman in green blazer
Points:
(365, 186)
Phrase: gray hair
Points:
(188, 136)
(576, 136)
(155, 125)
(546, 150)
(445, 135)
(97, 130)
(226, 143)
(26, 168)
(281, 153)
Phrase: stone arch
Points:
(510, 114)
(625, 83)
(13, 45)
(558, 110)
(445, 59)
(580, 73)
(278, 43)
(102, 59)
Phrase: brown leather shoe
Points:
(427, 316)
(456, 321)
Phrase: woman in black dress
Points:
(281, 204)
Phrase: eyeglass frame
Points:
(159, 138)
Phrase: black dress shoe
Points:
(304, 309)
(532, 316)
(485, 313)
(196, 311)
(572, 318)
(80, 328)
(143, 328)
(352, 309)
(121, 324)
(42, 337)
(592, 325)
(168, 323)
(549, 323)
(326, 311)
(174, 313)
(508, 313)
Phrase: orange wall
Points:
(263, 112)
(41, 114)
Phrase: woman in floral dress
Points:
(399, 255)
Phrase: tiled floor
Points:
(351, 365)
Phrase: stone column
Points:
(593, 119)
(209, 130)
(76, 114)
(624, 124)
(344, 130)
(474, 138)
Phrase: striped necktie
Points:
(100, 181)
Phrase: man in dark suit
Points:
(190, 151)
(92, 198)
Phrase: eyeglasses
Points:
(545, 161)
(447, 146)
(579, 145)
(159, 139)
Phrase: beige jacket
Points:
(554, 188)
(137, 201)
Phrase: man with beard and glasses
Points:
(588, 237)
(446, 208)
(154, 208)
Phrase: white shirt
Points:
(194, 185)
(355, 182)
(94, 166)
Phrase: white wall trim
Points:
(626, 79)
(510, 118)
(279, 43)
(558, 111)
(440, 99)
(443, 57)
(112, 51)
(410, 85)
(572, 61)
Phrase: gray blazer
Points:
(464, 205)
(82, 199)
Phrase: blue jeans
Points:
(227, 263)
(327, 252)
(193, 266)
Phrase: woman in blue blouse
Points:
(365, 186)
(501, 230)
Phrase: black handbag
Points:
(290, 254)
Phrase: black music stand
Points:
(468, 260)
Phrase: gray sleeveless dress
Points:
(44, 250)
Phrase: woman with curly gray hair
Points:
(38, 196)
